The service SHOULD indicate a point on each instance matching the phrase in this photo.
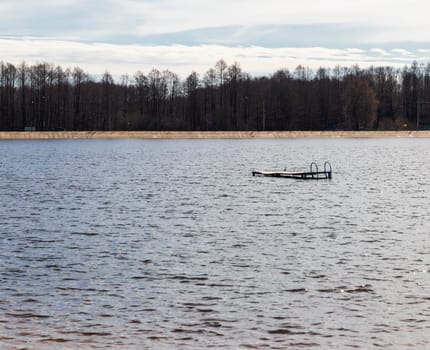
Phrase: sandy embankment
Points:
(34, 135)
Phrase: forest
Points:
(44, 96)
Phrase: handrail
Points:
(327, 166)
(312, 165)
(316, 169)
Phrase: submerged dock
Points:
(312, 174)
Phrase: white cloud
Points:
(354, 50)
(380, 52)
(127, 59)
(402, 52)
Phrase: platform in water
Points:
(312, 174)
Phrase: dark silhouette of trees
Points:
(360, 103)
(49, 97)
(8, 78)
(21, 117)
(192, 110)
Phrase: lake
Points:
(173, 244)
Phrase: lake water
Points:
(172, 244)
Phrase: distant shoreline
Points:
(40, 135)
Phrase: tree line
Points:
(48, 97)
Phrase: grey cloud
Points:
(118, 22)
(326, 35)
(336, 35)
(92, 20)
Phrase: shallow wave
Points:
(173, 244)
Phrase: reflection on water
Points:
(173, 244)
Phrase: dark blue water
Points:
(172, 244)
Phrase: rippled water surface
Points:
(172, 244)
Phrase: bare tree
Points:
(360, 103)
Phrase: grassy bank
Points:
(34, 135)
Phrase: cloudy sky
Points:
(123, 36)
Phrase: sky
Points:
(126, 36)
